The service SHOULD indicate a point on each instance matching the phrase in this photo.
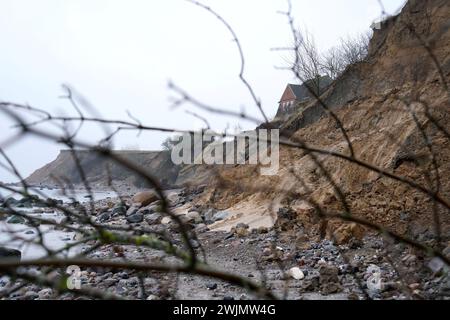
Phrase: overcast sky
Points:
(121, 54)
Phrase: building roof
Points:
(301, 91)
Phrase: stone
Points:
(296, 273)
(173, 198)
(105, 216)
(409, 259)
(31, 295)
(119, 210)
(436, 265)
(45, 294)
(241, 230)
(123, 275)
(208, 215)
(195, 244)
(166, 220)
(446, 251)
(263, 230)
(311, 283)
(53, 202)
(16, 220)
(154, 207)
(10, 202)
(200, 228)
(145, 197)
(153, 218)
(3, 215)
(110, 281)
(242, 225)
(211, 286)
(414, 286)
(10, 254)
(135, 218)
(132, 210)
(328, 274)
(194, 216)
(152, 297)
(330, 288)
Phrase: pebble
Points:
(105, 216)
(194, 216)
(135, 218)
(153, 218)
(211, 286)
(296, 273)
(31, 295)
(166, 220)
(45, 294)
(110, 281)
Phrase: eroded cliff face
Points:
(382, 130)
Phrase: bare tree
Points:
(350, 51)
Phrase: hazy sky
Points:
(121, 54)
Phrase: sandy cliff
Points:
(381, 129)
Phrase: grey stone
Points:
(7, 253)
(16, 220)
(200, 228)
(446, 251)
(436, 265)
(119, 210)
(211, 286)
(135, 218)
(104, 217)
(31, 295)
(10, 202)
(209, 214)
(195, 244)
(45, 294)
(123, 275)
(153, 218)
(110, 281)
(132, 210)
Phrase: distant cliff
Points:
(98, 169)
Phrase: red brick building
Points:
(295, 94)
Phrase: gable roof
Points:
(301, 91)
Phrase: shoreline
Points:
(254, 254)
